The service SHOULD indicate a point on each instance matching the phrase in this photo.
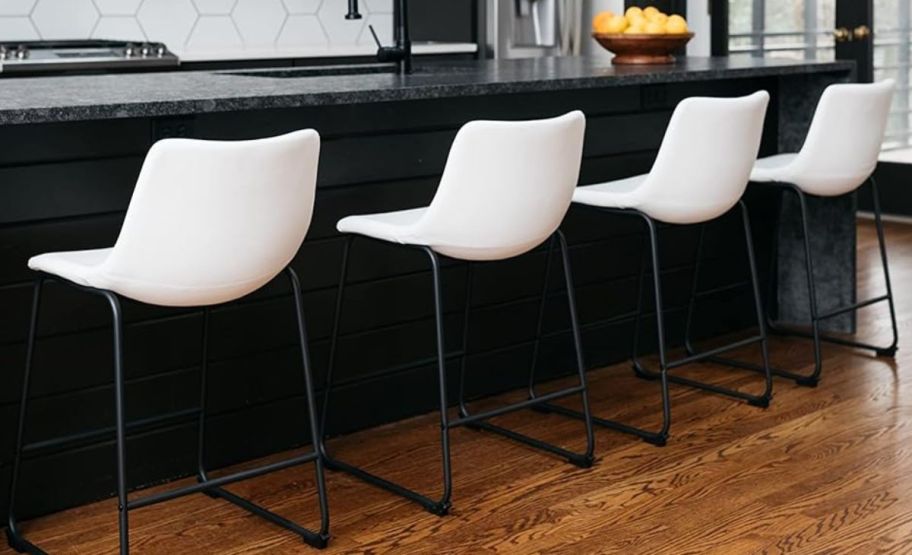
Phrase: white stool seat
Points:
(702, 167)
(774, 168)
(842, 144)
(621, 193)
(77, 266)
(209, 222)
(505, 189)
(396, 227)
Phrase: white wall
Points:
(698, 21)
(203, 28)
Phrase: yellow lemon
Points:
(651, 10)
(676, 25)
(636, 20)
(599, 21)
(660, 17)
(632, 12)
(617, 24)
(635, 28)
(654, 28)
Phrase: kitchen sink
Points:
(316, 71)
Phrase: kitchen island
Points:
(70, 151)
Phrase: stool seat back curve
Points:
(494, 201)
(209, 222)
(703, 164)
(843, 142)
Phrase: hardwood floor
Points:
(823, 470)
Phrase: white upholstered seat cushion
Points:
(395, 226)
(76, 266)
(620, 193)
(774, 168)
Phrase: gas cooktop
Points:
(80, 56)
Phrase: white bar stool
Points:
(209, 222)
(504, 191)
(700, 173)
(838, 156)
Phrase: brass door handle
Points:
(841, 34)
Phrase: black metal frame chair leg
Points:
(442, 505)
(439, 506)
(582, 460)
(210, 486)
(813, 378)
(764, 398)
(317, 539)
(13, 535)
(659, 437)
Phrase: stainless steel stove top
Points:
(74, 56)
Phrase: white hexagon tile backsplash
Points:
(198, 29)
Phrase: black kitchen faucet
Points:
(401, 53)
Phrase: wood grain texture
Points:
(822, 471)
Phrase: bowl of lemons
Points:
(641, 35)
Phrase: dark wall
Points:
(667, 6)
(443, 20)
(66, 186)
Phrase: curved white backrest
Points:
(706, 157)
(844, 140)
(211, 221)
(506, 187)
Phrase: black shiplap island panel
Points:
(70, 150)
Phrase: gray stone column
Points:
(831, 222)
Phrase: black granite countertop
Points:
(90, 97)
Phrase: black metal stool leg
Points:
(889, 351)
(539, 327)
(463, 408)
(541, 403)
(13, 535)
(320, 539)
(315, 539)
(816, 317)
(660, 437)
(694, 291)
(762, 400)
(122, 502)
(333, 344)
(442, 505)
(201, 473)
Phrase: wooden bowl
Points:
(642, 49)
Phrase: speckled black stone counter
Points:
(79, 98)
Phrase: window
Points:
(799, 29)
(891, 60)
(803, 29)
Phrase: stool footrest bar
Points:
(579, 459)
(429, 504)
(852, 307)
(310, 537)
(713, 352)
(650, 437)
(220, 481)
(516, 406)
(108, 431)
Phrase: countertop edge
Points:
(221, 104)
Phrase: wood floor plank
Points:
(822, 470)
